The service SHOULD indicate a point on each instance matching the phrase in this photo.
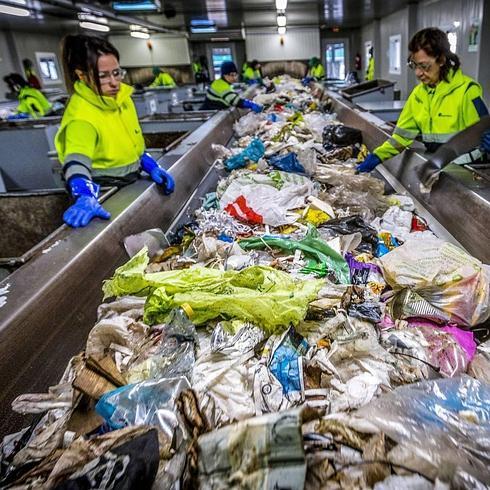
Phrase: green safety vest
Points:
(436, 114)
(317, 72)
(33, 102)
(120, 140)
(221, 92)
(251, 74)
(196, 68)
(370, 69)
(164, 80)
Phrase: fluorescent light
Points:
(281, 31)
(281, 4)
(140, 35)
(281, 20)
(146, 5)
(7, 9)
(94, 27)
(203, 30)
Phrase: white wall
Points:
(299, 44)
(167, 50)
(6, 63)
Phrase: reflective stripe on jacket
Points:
(436, 114)
(221, 92)
(119, 141)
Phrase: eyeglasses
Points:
(105, 76)
(422, 66)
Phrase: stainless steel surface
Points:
(52, 300)
(369, 91)
(382, 105)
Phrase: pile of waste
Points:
(304, 329)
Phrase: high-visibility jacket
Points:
(436, 114)
(317, 72)
(100, 135)
(220, 95)
(163, 80)
(251, 74)
(370, 69)
(196, 68)
(33, 102)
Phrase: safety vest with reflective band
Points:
(317, 72)
(163, 80)
(251, 74)
(437, 114)
(33, 102)
(118, 143)
(196, 68)
(370, 69)
(221, 92)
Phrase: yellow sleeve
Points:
(405, 132)
(80, 139)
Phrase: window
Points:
(395, 54)
(453, 40)
(219, 55)
(335, 60)
(48, 67)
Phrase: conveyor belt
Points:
(52, 300)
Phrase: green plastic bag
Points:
(269, 298)
(322, 258)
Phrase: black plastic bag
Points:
(338, 135)
(353, 224)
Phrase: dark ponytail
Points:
(436, 44)
(81, 52)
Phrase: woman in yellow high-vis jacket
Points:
(31, 100)
(370, 67)
(100, 138)
(446, 102)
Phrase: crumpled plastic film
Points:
(445, 421)
(453, 283)
(248, 124)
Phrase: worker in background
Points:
(244, 69)
(162, 79)
(252, 73)
(444, 103)
(315, 69)
(31, 100)
(220, 94)
(31, 76)
(370, 67)
(100, 140)
(198, 71)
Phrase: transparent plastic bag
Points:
(444, 421)
(248, 124)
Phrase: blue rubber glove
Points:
(306, 81)
(485, 142)
(370, 162)
(248, 104)
(19, 115)
(86, 206)
(157, 173)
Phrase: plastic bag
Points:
(253, 152)
(248, 124)
(354, 224)
(287, 163)
(172, 356)
(264, 296)
(445, 421)
(395, 221)
(323, 258)
(454, 285)
(335, 135)
(150, 402)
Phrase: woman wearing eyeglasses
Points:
(446, 102)
(100, 139)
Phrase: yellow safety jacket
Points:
(436, 114)
(196, 68)
(164, 80)
(370, 69)
(251, 74)
(33, 102)
(100, 135)
(220, 95)
(317, 72)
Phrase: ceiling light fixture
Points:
(94, 27)
(281, 31)
(139, 34)
(281, 20)
(281, 4)
(93, 22)
(17, 11)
